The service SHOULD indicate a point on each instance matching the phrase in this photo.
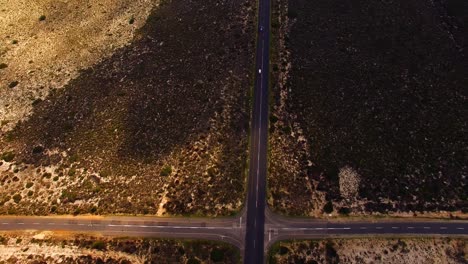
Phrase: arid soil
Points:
(408, 250)
(44, 43)
(369, 107)
(159, 127)
(47, 247)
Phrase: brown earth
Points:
(369, 107)
(375, 250)
(159, 127)
(48, 247)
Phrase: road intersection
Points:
(256, 223)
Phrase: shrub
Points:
(3, 65)
(29, 185)
(42, 18)
(283, 250)
(344, 211)
(193, 261)
(14, 42)
(13, 84)
(131, 21)
(36, 101)
(217, 255)
(105, 173)
(30, 193)
(328, 207)
(73, 158)
(273, 119)
(72, 172)
(8, 156)
(69, 196)
(38, 149)
(17, 198)
(99, 245)
(166, 171)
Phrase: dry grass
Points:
(379, 87)
(49, 53)
(408, 250)
(159, 127)
(59, 247)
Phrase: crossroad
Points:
(256, 228)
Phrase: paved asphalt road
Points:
(223, 229)
(254, 238)
(233, 230)
(261, 224)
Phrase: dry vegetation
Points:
(44, 43)
(158, 127)
(369, 107)
(417, 251)
(48, 247)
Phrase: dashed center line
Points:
(169, 227)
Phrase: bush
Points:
(8, 156)
(69, 196)
(72, 172)
(217, 255)
(29, 185)
(131, 21)
(166, 171)
(283, 250)
(344, 211)
(328, 207)
(99, 245)
(3, 65)
(193, 261)
(38, 149)
(331, 253)
(42, 18)
(17, 198)
(273, 119)
(73, 158)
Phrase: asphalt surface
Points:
(254, 237)
(261, 225)
(222, 229)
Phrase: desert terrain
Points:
(371, 250)
(368, 108)
(147, 113)
(60, 247)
